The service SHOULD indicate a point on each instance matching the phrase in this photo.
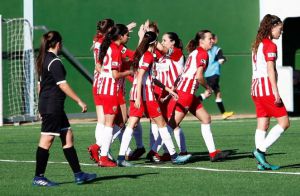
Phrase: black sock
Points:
(261, 151)
(72, 158)
(42, 156)
(221, 107)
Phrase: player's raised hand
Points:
(130, 26)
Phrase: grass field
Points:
(235, 176)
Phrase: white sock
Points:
(180, 139)
(106, 140)
(167, 140)
(138, 135)
(153, 134)
(208, 138)
(260, 136)
(127, 135)
(271, 138)
(98, 133)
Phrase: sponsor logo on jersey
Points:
(271, 54)
(114, 108)
(123, 50)
(203, 61)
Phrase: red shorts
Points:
(121, 99)
(265, 107)
(186, 102)
(149, 108)
(110, 104)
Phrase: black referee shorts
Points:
(54, 124)
(213, 82)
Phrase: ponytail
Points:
(194, 43)
(48, 40)
(116, 31)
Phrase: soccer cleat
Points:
(181, 159)
(105, 162)
(272, 167)
(153, 157)
(136, 154)
(260, 157)
(43, 181)
(183, 153)
(218, 155)
(124, 163)
(94, 152)
(82, 177)
(165, 157)
(226, 115)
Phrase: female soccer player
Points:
(142, 100)
(53, 89)
(103, 27)
(168, 68)
(110, 59)
(189, 82)
(264, 89)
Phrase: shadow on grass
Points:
(102, 178)
(291, 166)
(233, 154)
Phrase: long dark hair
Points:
(48, 40)
(193, 44)
(104, 25)
(148, 39)
(174, 37)
(265, 29)
(112, 35)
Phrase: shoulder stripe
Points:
(56, 59)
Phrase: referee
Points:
(53, 89)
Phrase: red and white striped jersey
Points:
(97, 41)
(170, 66)
(197, 58)
(112, 61)
(145, 63)
(127, 54)
(267, 51)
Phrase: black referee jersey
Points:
(51, 97)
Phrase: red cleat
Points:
(165, 157)
(218, 155)
(94, 152)
(137, 153)
(105, 162)
(153, 157)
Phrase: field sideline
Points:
(235, 176)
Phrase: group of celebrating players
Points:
(163, 89)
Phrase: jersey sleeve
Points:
(58, 72)
(201, 59)
(115, 59)
(176, 54)
(146, 61)
(270, 51)
(127, 53)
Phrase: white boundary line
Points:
(175, 167)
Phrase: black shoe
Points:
(219, 156)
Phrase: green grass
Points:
(235, 176)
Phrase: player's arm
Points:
(140, 75)
(66, 88)
(220, 57)
(200, 78)
(272, 74)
